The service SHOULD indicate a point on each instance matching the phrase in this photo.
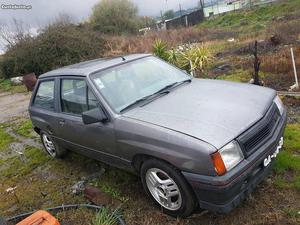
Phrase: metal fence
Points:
(190, 19)
(186, 20)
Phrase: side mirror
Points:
(94, 116)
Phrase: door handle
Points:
(62, 122)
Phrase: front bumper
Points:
(221, 194)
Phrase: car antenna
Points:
(123, 58)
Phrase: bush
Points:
(57, 45)
(115, 17)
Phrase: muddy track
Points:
(12, 108)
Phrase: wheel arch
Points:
(139, 159)
(37, 130)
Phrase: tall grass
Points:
(118, 45)
(106, 217)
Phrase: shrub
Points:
(190, 57)
(194, 57)
(57, 45)
(160, 49)
(115, 17)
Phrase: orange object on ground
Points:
(40, 218)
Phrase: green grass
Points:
(17, 168)
(295, 213)
(236, 76)
(106, 217)
(5, 139)
(287, 165)
(240, 75)
(112, 182)
(253, 19)
(5, 86)
(109, 188)
(24, 129)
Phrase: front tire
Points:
(167, 188)
(53, 149)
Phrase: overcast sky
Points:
(40, 12)
(43, 11)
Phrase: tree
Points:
(169, 15)
(115, 17)
(57, 45)
(146, 21)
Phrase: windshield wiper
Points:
(148, 97)
(164, 90)
(175, 84)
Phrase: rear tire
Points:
(167, 187)
(51, 147)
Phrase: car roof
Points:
(88, 67)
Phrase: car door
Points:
(43, 106)
(94, 140)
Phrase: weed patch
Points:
(21, 166)
(236, 76)
(287, 165)
(24, 129)
(5, 139)
(106, 217)
(5, 86)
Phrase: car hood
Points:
(210, 110)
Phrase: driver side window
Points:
(76, 97)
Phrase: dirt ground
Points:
(50, 184)
(13, 105)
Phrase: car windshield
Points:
(126, 84)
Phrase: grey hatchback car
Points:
(195, 143)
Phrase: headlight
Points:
(227, 157)
(279, 104)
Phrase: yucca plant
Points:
(188, 57)
(173, 56)
(160, 49)
(194, 58)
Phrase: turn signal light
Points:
(218, 163)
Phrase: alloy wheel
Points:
(49, 145)
(163, 189)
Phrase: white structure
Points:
(231, 5)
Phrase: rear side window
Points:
(76, 98)
(45, 96)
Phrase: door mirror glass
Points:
(94, 116)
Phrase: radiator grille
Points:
(260, 132)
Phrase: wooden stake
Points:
(256, 65)
(295, 69)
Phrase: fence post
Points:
(295, 69)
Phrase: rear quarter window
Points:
(44, 97)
